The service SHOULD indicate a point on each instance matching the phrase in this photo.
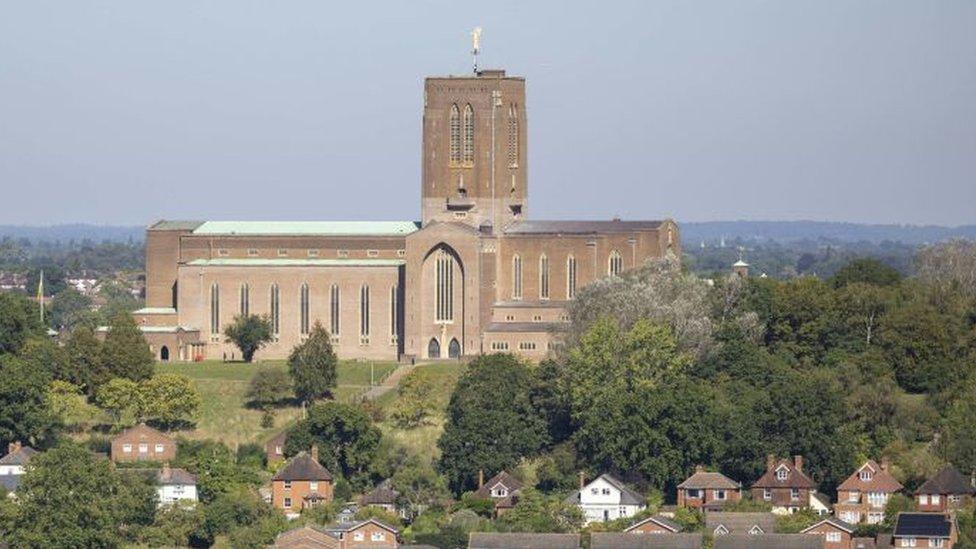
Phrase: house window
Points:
(570, 277)
(516, 277)
(853, 496)
(615, 263)
(909, 542)
(401, 253)
(277, 450)
(500, 492)
(468, 135)
(313, 486)
(544, 277)
(334, 306)
(605, 491)
(794, 494)
(143, 448)
(874, 518)
(513, 136)
(767, 494)
(954, 498)
(782, 473)
(287, 503)
(127, 448)
(455, 126)
(252, 252)
(358, 536)
(936, 543)
(936, 499)
(282, 252)
(720, 495)
(159, 448)
(865, 475)
(245, 299)
(275, 310)
(214, 308)
(303, 309)
(877, 499)
(923, 499)
(833, 537)
(445, 287)
(287, 484)
(364, 311)
(377, 536)
(693, 494)
(594, 491)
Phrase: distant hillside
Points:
(77, 231)
(785, 231)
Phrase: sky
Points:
(124, 112)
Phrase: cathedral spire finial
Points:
(475, 46)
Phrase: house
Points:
(306, 537)
(654, 525)
(274, 449)
(17, 457)
(768, 541)
(383, 497)
(301, 483)
(495, 540)
(948, 490)
(617, 540)
(705, 489)
(365, 533)
(836, 533)
(863, 496)
(924, 530)
(755, 524)
(175, 485)
(143, 443)
(606, 498)
(503, 488)
(784, 485)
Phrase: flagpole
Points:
(40, 295)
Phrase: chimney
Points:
(699, 468)
(798, 463)
(582, 477)
(770, 461)
(885, 464)
(315, 452)
(481, 478)
(166, 471)
(13, 447)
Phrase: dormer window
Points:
(499, 492)
(865, 475)
(782, 473)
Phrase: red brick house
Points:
(369, 533)
(654, 525)
(948, 490)
(274, 449)
(143, 443)
(863, 496)
(306, 537)
(836, 533)
(784, 485)
(924, 530)
(503, 488)
(710, 490)
(301, 483)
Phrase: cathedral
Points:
(477, 274)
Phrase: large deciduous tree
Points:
(19, 321)
(24, 414)
(125, 352)
(312, 365)
(169, 399)
(249, 333)
(346, 438)
(268, 386)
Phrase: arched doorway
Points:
(454, 349)
(433, 348)
(164, 353)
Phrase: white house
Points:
(175, 485)
(17, 457)
(606, 498)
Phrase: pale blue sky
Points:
(127, 111)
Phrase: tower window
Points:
(513, 144)
(303, 309)
(615, 263)
(570, 277)
(214, 309)
(445, 287)
(334, 310)
(455, 127)
(364, 311)
(275, 310)
(245, 299)
(516, 277)
(468, 135)
(544, 277)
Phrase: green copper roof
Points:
(155, 311)
(312, 228)
(259, 262)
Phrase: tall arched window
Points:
(394, 311)
(364, 311)
(516, 277)
(513, 129)
(570, 277)
(615, 263)
(468, 135)
(455, 127)
(334, 310)
(245, 299)
(544, 277)
(275, 310)
(303, 309)
(445, 287)
(214, 309)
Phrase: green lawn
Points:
(223, 415)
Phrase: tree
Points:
(71, 498)
(960, 429)
(491, 422)
(535, 512)
(249, 333)
(47, 356)
(24, 414)
(268, 387)
(125, 352)
(218, 472)
(419, 485)
(68, 404)
(414, 401)
(86, 365)
(19, 321)
(312, 365)
(175, 525)
(120, 397)
(346, 438)
(922, 344)
(865, 270)
(71, 308)
(169, 399)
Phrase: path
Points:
(390, 382)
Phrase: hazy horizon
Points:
(123, 113)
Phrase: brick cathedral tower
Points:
(474, 150)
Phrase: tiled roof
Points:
(350, 526)
(175, 225)
(833, 521)
(881, 480)
(661, 520)
(740, 523)
(308, 228)
(580, 227)
(284, 262)
(493, 540)
(302, 467)
(768, 541)
(306, 537)
(19, 457)
(508, 481)
(947, 481)
(381, 495)
(175, 477)
(10, 482)
(709, 480)
(922, 525)
(795, 478)
(617, 540)
(627, 496)
(140, 431)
